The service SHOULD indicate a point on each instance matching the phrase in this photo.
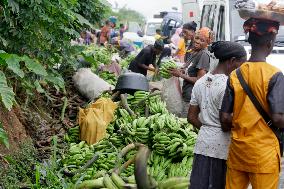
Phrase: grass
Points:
(24, 169)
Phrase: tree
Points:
(125, 15)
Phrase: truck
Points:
(223, 18)
(191, 11)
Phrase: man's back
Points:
(254, 146)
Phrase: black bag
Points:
(277, 131)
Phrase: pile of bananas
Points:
(126, 61)
(112, 181)
(108, 77)
(155, 103)
(173, 144)
(158, 166)
(180, 169)
(165, 67)
(72, 135)
(137, 131)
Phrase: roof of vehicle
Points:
(155, 20)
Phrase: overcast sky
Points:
(148, 7)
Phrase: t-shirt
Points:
(146, 57)
(105, 32)
(254, 147)
(198, 60)
(181, 47)
(207, 94)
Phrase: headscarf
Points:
(176, 37)
(261, 26)
(207, 34)
(224, 50)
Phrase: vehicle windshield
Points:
(237, 26)
(151, 28)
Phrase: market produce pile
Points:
(108, 77)
(144, 120)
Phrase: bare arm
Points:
(192, 80)
(146, 67)
(226, 121)
(192, 116)
(278, 120)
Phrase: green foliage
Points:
(3, 136)
(93, 10)
(20, 168)
(128, 15)
(6, 92)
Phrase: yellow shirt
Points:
(181, 47)
(254, 147)
(157, 36)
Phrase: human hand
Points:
(175, 72)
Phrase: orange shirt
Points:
(254, 147)
(181, 47)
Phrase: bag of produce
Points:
(264, 9)
(89, 84)
(171, 94)
(94, 120)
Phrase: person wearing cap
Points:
(254, 153)
(188, 33)
(212, 145)
(197, 65)
(146, 57)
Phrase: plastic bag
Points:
(94, 120)
(171, 94)
(89, 84)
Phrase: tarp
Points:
(93, 121)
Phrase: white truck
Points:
(222, 17)
(150, 30)
(191, 10)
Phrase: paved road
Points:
(281, 182)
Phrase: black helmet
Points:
(159, 44)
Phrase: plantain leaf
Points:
(13, 63)
(34, 66)
(38, 87)
(58, 81)
(6, 92)
(3, 136)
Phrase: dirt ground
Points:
(14, 128)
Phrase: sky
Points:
(148, 7)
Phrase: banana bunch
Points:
(126, 61)
(123, 117)
(174, 183)
(112, 181)
(181, 169)
(166, 66)
(133, 101)
(72, 135)
(158, 166)
(157, 106)
(137, 131)
(173, 144)
(108, 77)
(77, 156)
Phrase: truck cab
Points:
(222, 17)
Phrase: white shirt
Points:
(208, 93)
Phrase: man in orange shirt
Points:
(105, 33)
(254, 154)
